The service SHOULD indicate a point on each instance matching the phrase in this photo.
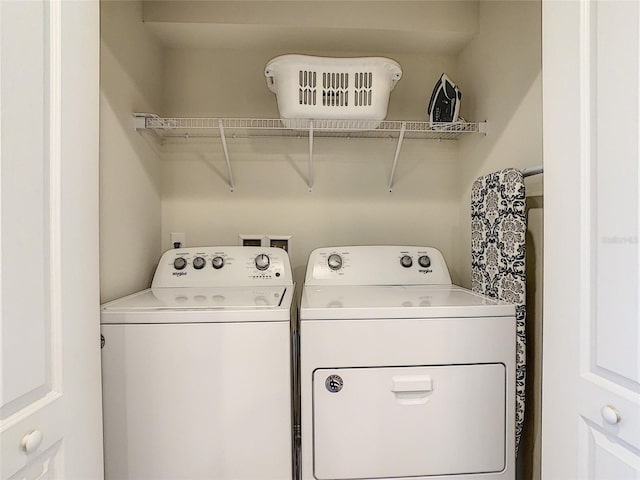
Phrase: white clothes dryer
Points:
(197, 369)
(402, 374)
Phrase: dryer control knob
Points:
(406, 261)
(199, 263)
(262, 261)
(334, 261)
(424, 261)
(179, 263)
(217, 262)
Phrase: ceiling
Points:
(307, 26)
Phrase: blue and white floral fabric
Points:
(498, 228)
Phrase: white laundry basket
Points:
(309, 87)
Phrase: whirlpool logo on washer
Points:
(179, 274)
(333, 383)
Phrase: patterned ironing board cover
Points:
(498, 229)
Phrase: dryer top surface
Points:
(397, 301)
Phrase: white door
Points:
(591, 354)
(50, 410)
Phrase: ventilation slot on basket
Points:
(363, 89)
(334, 89)
(307, 87)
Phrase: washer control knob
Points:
(424, 261)
(262, 261)
(334, 261)
(217, 262)
(199, 263)
(406, 261)
(179, 263)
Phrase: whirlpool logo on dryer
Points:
(179, 274)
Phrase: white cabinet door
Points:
(50, 410)
(591, 354)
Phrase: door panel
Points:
(614, 96)
(591, 361)
(608, 459)
(31, 387)
(26, 189)
(50, 412)
(610, 327)
(42, 467)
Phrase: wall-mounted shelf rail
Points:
(223, 128)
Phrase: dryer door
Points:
(409, 421)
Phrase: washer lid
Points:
(402, 301)
(156, 300)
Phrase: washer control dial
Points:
(217, 262)
(424, 261)
(199, 263)
(179, 263)
(406, 261)
(334, 261)
(262, 262)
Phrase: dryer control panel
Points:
(223, 266)
(377, 265)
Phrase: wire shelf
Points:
(264, 127)
(186, 128)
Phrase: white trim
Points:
(1, 303)
(586, 265)
(638, 186)
(586, 181)
(32, 408)
(55, 200)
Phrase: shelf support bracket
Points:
(140, 120)
(310, 182)
(223, 139)
(403, 128)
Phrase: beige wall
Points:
(349, 203)
(222, 82)
(500, 75)
(131, 81)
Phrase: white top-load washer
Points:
(197, 369)
(402, 374)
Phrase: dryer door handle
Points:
(412, 389)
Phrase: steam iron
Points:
(444, 104)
